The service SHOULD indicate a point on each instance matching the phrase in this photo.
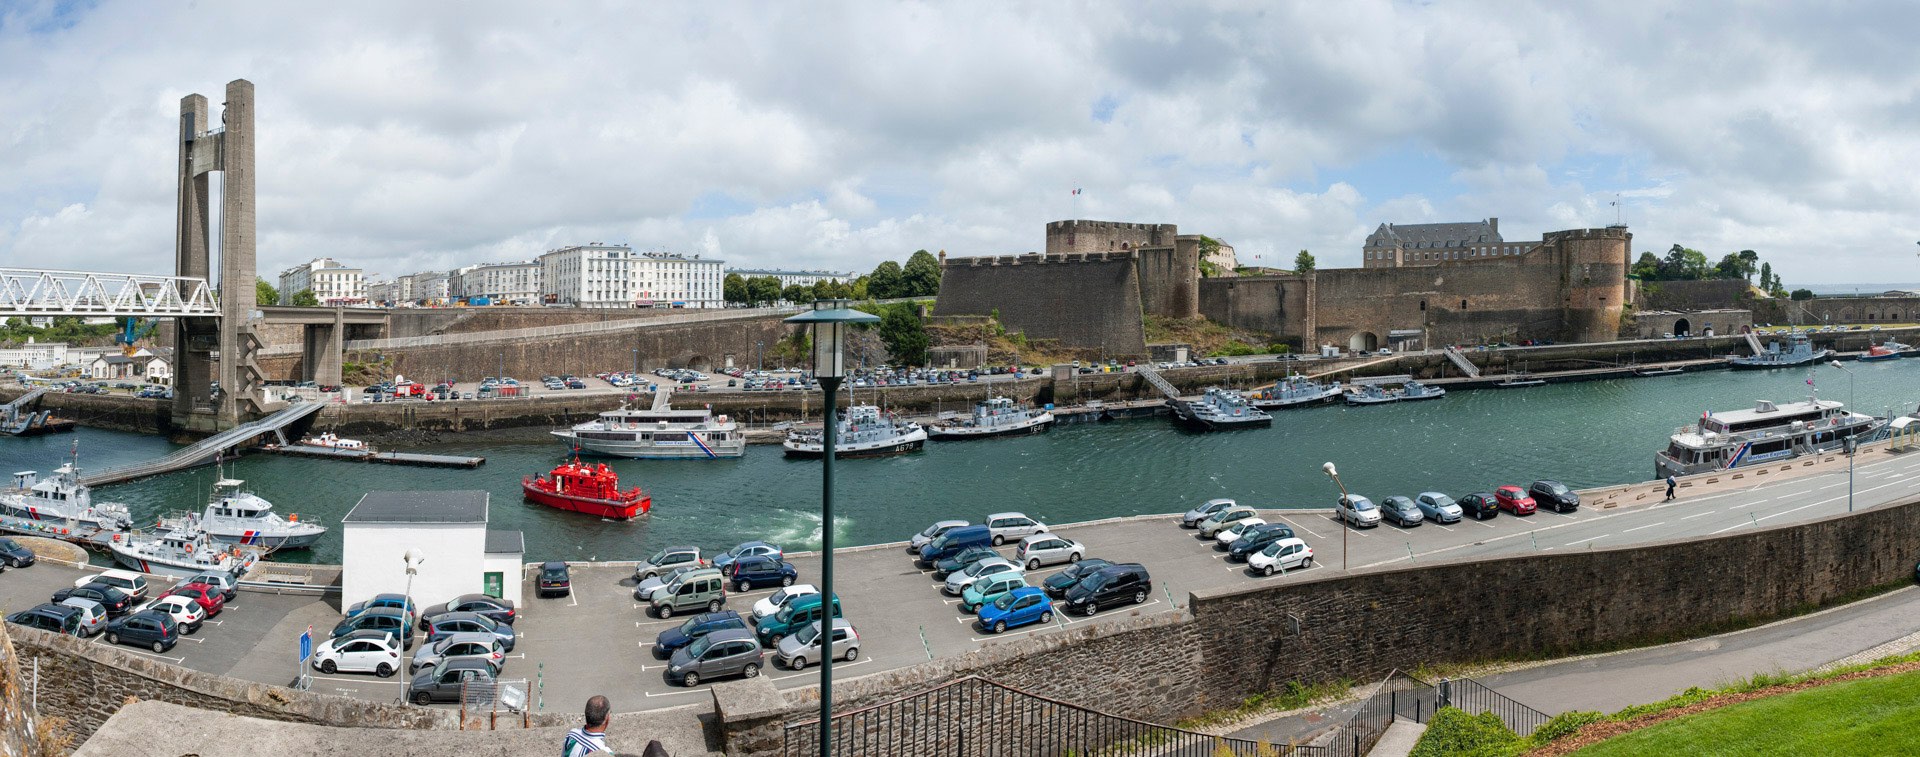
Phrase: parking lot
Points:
(596, 641)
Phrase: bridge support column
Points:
(228, 148)
(324, 348)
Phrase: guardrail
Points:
(1475, 697)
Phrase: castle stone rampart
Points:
(1084, 301)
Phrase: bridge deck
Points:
(206, 450)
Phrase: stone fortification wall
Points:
(1107, 236)
(86, 683)
(1712, 294)
(1857, 310)
(1086, 302)
(1275, 305)
(700, 345)
(1170, 279)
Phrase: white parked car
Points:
(93, 615)
(1012, 526)
(1233, 531)
(1224, 518)
(185, 611)
(1048, 549)
(770, 604)
(1285, 554)
(369, 651)
(1358, 511)
(960, 580)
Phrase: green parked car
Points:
(790, 619)
(986, 590)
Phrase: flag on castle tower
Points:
(1076, 190)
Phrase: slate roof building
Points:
(1401, 245)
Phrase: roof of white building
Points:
(464, 506)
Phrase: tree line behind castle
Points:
(920, 277)
(1687, 264)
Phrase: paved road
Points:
(595, 641)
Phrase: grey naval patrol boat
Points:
(1800, 351)
(1296, 391)
(998, 416)
(863, 431)
(1220, 410)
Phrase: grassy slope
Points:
(1873, 716)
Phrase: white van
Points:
(124, 580)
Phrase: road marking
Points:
(814, 670)
(1302, 526)
(1437, 525)
(1588, 539)
(319, 677)
(1698, 515)
(573, 598)
(1649, 525)
(707, 689)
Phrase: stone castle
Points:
(1421, 286)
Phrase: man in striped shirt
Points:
(592, 737)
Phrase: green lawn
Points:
(1872, 716)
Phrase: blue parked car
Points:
(748, 549)
(762, 570)
(395, 601)
(1016, 608)
(147, 628)
(697, 626)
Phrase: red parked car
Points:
(1514, 499)
(208, 597)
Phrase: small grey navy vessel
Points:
(239, 517)
(1295, 391)
(658, 434)
(1800, 351)
(864, 431)
(1375, 394)
(998, 416)
(1220, 410)
(1765, 434)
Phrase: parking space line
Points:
(1588, 539)
(1697, 515)
(815, 669)
(1649, 525)
(318, 677)
(703, 689)
(1302, 526)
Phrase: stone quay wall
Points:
(86, 683)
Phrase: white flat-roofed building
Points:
(673, 280)
(35, 354)
(790, 278)
(330, 282)
(429, 287)
(448, 528)
(513, 283)
(588, 276)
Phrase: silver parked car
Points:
(1048, 549)
(932, 532)
(716, 655)
(1212, 525)
(645, 590)
(1438, 507)
(1193, 517)
(797, 650)
(665, 560)
(1358, 511)
(1014, 526)
(93, 615)
(470, 644)
(958, 582)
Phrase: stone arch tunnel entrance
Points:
(1365, 341)
(1682, 327)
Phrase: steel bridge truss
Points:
(29, 293)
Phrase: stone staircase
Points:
(1460, 361)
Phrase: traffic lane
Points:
(1610, 682)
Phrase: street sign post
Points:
(300, 680)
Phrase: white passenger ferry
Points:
(663, 434)
(1767, 433)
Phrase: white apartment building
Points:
(429, 287)
(330, 282)
(380, 291)
(790, 278)
(515, 283)
(588, 276)
(673, 280)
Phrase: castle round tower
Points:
(1593, 279)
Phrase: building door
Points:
(493, 584)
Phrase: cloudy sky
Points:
(410, 136)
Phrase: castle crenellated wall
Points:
(1107, 236)
(1086, 302)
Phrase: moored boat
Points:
(61, 499)
(244, 518)
(1888, 350)
(998, 416)
(331, 441)
(658, 434)
(179, 552)
(593, 489)
(1800, 351)
(1764, 434)
(1414, 390)
(863, 431)
(1220, 410)
(1295, 391)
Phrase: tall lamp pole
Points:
(413, 558)
(829, 320)
(636, 361)
(1334, 473)
(1852, 442)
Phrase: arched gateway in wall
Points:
(1365, 341)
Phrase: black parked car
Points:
(672, 639)
(554, 579)
(500, 610)
(1479, 505)
(1554, 495)
(1111, 585)
(117, 602)
(15, 555)
(1058, 583)
(1257, 538)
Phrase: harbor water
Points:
(1584, 434)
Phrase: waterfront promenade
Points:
(596, 640)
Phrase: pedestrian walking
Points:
(592, 737)
(1671, 485)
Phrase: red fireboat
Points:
(593, 489)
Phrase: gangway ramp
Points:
(206, 450)
(1753, 343)
(1460, 361)
(11, 410)
(663, 398)
(1158, 381)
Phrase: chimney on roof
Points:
(1493, 227)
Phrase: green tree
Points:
(797, 293)
(1750, 261)
(1647, 268)
(858, 289)
(1802, 294)
(904, 335)
(733, 289)
(1303, 262)
(1731, 267)
(886, 282)
(264, 293)
(1766, 277)
(921, 276)
(763, 290)
(1684, 264)
(304, 298)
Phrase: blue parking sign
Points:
(306, 644)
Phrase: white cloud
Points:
(417, 135)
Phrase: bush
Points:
(1278, 349)
(1235, 348)
(1454, 733)
(1565, 724)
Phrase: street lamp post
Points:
(1852, 441)
(636, 361)
(413, 558)
(1334, 473)
(829, 320)
(760, 356)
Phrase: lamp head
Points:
(1331, 471)
(1835, 363)
(830, 320)
(413, 557)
